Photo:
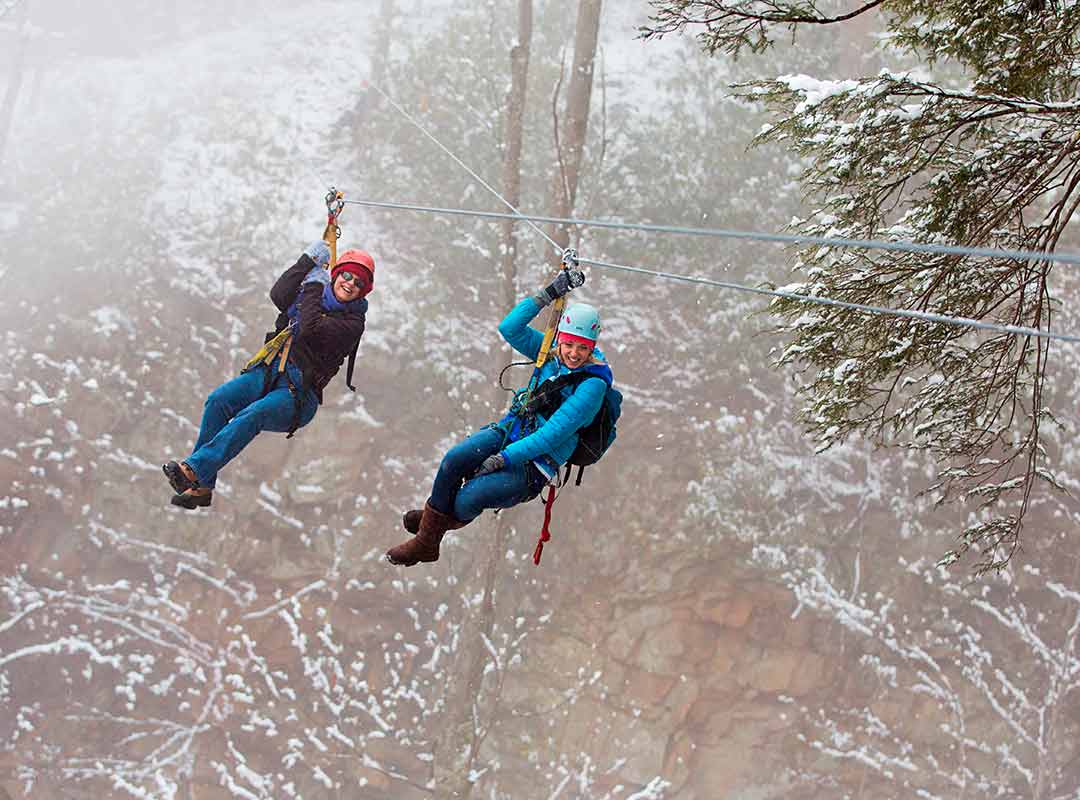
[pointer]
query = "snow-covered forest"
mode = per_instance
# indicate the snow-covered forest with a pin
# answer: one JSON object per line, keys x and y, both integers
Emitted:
{"x": 775, "y": 584}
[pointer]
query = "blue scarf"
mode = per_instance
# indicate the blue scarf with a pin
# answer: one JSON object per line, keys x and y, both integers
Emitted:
{"x": 328, "y": 303}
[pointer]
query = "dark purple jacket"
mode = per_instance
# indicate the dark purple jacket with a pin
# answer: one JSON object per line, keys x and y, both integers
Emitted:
{"x": 324, "y": 338}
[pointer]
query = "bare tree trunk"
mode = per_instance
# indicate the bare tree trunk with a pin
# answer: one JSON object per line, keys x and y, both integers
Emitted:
{"x": 515, "y": 120}
{"x": 382, "y": 42}
{"x": 469, "y": 719}
{"x": 381, "y": 35}
{"x": 11, "y": 95}
{"x": 571, "y": 141}
{"x": 467, "y": 722}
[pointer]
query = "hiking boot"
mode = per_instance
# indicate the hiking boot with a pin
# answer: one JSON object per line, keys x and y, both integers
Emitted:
{"x": 425, "y": 545}
{"x": 192, "y": 498}
{"x": 178, "y": 479}
{"x": 410, "y": 521}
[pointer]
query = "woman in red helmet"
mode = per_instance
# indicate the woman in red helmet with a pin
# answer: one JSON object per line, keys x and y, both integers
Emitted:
{"x": 320, "y": 323}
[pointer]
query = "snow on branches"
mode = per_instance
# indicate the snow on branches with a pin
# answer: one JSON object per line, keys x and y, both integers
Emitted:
{"x": 976, "y": 147}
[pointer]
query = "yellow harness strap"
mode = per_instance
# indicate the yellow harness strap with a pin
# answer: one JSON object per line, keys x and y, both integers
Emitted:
{"x": 549, "y": 334}
{"x": 330, "y": 237}
{"x": 285, "y": 354}
{"x": 270, "y": 349}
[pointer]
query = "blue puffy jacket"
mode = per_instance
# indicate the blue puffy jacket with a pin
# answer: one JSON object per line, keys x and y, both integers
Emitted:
{"x": 552, "y": 443}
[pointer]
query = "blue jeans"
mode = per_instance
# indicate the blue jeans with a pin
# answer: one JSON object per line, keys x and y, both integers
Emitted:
{"x": 503, "y": 489}
{"x": 237, "y": 411}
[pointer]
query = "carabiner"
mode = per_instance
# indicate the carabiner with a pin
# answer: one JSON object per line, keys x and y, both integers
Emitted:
{"x": 570, "y": 264}
{"x": 335, "y": 204}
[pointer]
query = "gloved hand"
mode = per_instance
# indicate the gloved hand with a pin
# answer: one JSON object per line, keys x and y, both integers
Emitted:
{"x": 556, "y": 289}
{"x": 317, "y": 275}
{"x": 319, "y": 252}
{"x": 491, "y": 464}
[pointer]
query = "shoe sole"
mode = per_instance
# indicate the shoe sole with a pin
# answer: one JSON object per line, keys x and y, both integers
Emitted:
{"x": 190, "y": 504}
{"x": 411, "y": 563}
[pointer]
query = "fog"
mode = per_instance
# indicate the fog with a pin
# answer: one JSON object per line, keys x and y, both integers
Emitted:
{"x": 722, "y": 611}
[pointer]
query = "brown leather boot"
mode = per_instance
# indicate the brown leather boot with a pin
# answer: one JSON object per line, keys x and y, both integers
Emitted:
{"x": 410, "y": 521}
{"x": 425, "y": 545}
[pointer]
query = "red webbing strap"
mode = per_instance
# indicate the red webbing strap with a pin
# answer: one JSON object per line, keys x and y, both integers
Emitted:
{"x": 545, "y": 534}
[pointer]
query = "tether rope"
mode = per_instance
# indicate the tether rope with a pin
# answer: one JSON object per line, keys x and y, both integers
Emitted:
{"x": 516, "y": 215}
{"x": 1015, "y": 330}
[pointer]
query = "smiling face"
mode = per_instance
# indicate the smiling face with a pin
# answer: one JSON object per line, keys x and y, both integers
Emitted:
{"x": 574, "y": 354}
{"x": 350, "y": 284}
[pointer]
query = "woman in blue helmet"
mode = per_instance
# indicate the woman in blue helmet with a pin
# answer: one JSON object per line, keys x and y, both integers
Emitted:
{"x": 510, "y": 461}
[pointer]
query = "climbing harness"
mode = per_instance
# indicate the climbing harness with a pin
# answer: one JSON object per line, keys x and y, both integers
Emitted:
{"x": 269, "y": 350}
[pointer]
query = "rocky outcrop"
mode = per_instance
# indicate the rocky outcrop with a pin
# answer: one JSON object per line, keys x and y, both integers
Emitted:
{"x": 691, "y": 680}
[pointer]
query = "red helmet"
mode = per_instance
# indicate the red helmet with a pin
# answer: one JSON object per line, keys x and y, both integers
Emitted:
{"x": 359, "y": 258}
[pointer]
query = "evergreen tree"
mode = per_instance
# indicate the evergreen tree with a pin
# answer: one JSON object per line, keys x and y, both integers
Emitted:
{"x": 974, "y": 146}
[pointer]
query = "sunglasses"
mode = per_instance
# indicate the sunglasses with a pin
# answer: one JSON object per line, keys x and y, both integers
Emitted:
{"x": 350, "y": 277}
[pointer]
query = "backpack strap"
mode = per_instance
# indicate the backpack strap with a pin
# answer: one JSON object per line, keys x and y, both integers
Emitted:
{"x": 547, "y": 397}
{"x": 294, "y": 424}
{"x": 352, "y": 364}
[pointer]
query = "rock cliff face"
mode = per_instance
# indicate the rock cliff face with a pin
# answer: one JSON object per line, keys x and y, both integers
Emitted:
{"x": 690, "y": 678}
{"x": 649, "y": 663}
{"x": 265, "y": 644}
{"x": 650, "y": 655}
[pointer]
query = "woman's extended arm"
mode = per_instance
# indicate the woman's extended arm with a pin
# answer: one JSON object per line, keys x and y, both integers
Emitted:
{"x": 516, "y": 331}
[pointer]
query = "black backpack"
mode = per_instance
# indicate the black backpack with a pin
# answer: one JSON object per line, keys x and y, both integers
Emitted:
{"x": 595, "y": 438}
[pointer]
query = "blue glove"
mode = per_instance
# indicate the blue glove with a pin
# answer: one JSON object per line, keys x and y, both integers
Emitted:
{"x": 491, "y": 464}
{"x": 319, "y": 252}
{"x": 317, "y": 275}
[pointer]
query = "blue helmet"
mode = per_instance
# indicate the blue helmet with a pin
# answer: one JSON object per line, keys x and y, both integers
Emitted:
{"x": 580, "y": 323}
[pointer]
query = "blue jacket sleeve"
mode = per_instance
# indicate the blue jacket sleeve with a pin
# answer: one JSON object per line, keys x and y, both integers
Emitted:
{"x": 576, "y": 412}
{"x": 516, "y": 331}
